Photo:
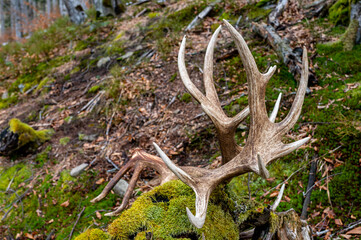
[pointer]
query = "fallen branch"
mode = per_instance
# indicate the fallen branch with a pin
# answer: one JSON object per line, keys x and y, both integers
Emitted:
{"x": 311, "y": 181}
{"x": 273, "y": 16}
{"x": 290, "y": 57}
{"x": 201, "y": 15}
{"x": 76, "y": 222}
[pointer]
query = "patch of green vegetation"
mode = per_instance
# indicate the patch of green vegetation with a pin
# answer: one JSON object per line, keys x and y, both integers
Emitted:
{"x": 27, "y": 135}
{"x": 64, "y": 141}
{"x": 43, "y": 157}
{"x": 262, "y": 3}
{"x": 185, "y": 97}
{"x": 43, "y": 82}
{"x": 93, "y": 234}
{"x": 256, "y": 13}
{"x": 173, "y": 77}
{"x": 162, "y": 212}
{"x": 339, "y": 12}
{"x": 167, "y": 30}
{"x": 94, "y": 89}
{"x": 153, "y": 15}
{"x": 53, "y": 204}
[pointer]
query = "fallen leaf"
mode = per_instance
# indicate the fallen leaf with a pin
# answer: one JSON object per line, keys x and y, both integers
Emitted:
{"x": 50, "y": 221}
{"x": 100, "y": 181}
{"x": 338, "y": 221}
{"x": 65, "y": 204}
{"x": 356, "y": 231}
{"x": 99, "y": 216}
{"x": 28, "y": 235}
{"x": 274, "y": 194}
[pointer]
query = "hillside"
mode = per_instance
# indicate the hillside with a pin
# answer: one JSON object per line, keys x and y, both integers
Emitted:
{"x": 111, "y": 85}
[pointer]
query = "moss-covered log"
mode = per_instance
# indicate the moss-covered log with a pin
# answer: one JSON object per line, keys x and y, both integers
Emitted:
{"x": 19, "y": 136}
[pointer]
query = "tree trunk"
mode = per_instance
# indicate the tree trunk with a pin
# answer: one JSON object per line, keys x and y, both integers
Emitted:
{"x": 48, "y": 8}
{"x": 2, "y": 19}
{"x": 24, "y": 16}
{"x": 62, "y": 8}
{"x": 75, "y": 11}
{"x": 356, "y": 16}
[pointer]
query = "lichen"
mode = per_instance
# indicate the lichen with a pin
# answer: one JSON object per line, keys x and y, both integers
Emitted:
{"x": 349, "y": 38}
{"x": 93, "y": 234}
{"x": 27, "y": 134}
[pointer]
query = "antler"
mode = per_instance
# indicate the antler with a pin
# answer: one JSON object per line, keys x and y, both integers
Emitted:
{"x": 264, "y": 141}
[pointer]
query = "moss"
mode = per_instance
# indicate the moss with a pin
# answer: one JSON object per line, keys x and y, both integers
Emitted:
{"x": 94, "y": 89}
{"x": 27, "y": 134}
{"x": 339, "y": 12}
{"x": 186, "y": 97}
{"x": 162, "y": 212}
{"x": 43, "y": 82}
{"x": 349, "y": 38}
{"x": 153, "y": 15}
{"x": 93, "y": 234}
{"x": 43, "y": 157}
{"x": 64, "y": 141}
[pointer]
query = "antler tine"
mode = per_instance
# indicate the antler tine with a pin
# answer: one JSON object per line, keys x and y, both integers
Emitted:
{"x": 193, "y": 90}
{"x": 176, "y": 170}
{"x": 273, "y": 116}
{"x": 202, "y": 191}
{"x": 296, "y": 108}
{"x": 211, "y": 92}
{"x": 256, "y": 80}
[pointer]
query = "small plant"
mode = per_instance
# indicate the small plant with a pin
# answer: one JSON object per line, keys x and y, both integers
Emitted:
{"x": 186, "y": 97}
{"x": 64, "y": 141}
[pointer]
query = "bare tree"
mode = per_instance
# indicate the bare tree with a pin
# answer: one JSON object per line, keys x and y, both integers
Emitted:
{"x": 2, "y": 19}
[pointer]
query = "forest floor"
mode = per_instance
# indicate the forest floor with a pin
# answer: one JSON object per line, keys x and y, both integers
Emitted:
{"x": 136, "y": 97}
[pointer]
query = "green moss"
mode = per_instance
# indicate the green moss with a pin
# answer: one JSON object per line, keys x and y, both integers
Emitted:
{"x": 153, "y": 15}
{"x": 64, "y": 141}
{"x": 339, "y": 12}
{"x": 162, "y": 212}
{"x": 94, "y": 89}
{"x": 43, "y": 82}
{"x": 43, "y": 157}
{"x": 27, "y": 134}
{"x": 186, "y": 97}
{"x": 93, "y": 234}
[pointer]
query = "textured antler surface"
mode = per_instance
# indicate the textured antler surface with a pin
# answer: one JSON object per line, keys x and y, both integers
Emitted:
{"x": 264, "y": 140}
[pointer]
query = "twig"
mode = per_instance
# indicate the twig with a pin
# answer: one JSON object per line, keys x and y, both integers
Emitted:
{"x": 76, "y": 222}
{"x": 349, "y": 227}
{"x": 311, "y": 181}
{"x": 50, "y": 235}
{"x": 278, "y": 199}
{"x": 304, "y": 194}
{"x": 11, "y": 181}
{"x": 111, "y": 162}
{"x": 14, "y": 202}
{"x": 248, "y": 185}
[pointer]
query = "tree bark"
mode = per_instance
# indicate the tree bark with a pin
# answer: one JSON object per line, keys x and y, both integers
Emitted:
{"x": 356, "y": 16}
{"x": 2, "y": 19}
{"x": 273, "y": 16}
{"x": 48, "y": 8}
{"x": 75, "y": 11}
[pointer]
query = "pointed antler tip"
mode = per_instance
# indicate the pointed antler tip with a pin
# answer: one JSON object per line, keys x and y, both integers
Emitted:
{"x": 198, "y": 222}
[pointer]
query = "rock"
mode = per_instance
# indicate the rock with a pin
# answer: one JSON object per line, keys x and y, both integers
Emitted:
{"x": 121, "y": 187}
{"x": 89, "y": 138}
{"x": 103, "y": 61}
{"x": 5, "y": 95}
{"x": 78, "y": 170}
{"x": 125, "y": 56}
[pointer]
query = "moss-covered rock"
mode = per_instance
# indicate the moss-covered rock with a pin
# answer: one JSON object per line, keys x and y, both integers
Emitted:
{"x": 162, "y": 213}
{"x": 93, "y": 234}
{"x": 20, "y": 135}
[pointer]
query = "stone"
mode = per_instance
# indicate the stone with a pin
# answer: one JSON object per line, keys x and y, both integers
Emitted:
{"x": 78, "y": 170}
{"x": 121, "y": 187}
{"x": 5, "y": 95}
{"x": 103, "y": 61}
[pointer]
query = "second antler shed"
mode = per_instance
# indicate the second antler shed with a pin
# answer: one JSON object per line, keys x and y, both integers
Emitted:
{"x": 264, "y": 139}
